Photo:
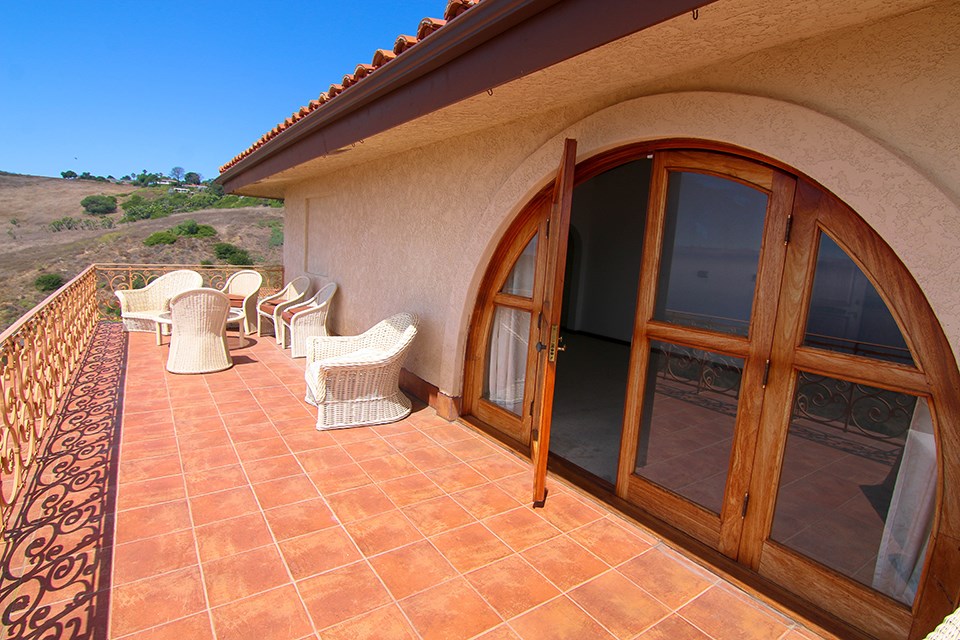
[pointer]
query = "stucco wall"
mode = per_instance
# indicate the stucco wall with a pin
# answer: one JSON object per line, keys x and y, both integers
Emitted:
{"x": 869, "y": 112}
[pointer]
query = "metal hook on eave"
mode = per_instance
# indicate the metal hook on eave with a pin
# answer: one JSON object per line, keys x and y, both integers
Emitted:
{"x": 696, "y": 13}
{"x": 490, "y": 92}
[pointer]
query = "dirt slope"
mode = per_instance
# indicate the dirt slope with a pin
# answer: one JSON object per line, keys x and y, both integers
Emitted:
{"x": 28, "y": 248}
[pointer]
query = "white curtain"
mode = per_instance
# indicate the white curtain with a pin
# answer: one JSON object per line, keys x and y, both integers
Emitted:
{"x": 520, "y": 280}
{"x": 509, "y": 338}
{"x": 508, "y": 357}
{"x": 907, "y": 529}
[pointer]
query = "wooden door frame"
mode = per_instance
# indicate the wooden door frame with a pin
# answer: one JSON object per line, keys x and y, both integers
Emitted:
{"x": 722, "y": 530}
{"x": 939, "y": 591}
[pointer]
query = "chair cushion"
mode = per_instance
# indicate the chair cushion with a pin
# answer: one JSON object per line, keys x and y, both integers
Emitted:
{"x": 236, "y": 300}
{"x": 288, "y": 313}
{"x": 269, "y": 307}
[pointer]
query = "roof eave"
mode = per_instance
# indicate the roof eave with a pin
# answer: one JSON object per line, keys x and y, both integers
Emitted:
{"x": 520, "y": 37}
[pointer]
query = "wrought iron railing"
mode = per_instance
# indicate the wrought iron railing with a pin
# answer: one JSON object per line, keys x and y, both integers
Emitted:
{"x": 39, "y": 355}
{"x": 111, "y": 277}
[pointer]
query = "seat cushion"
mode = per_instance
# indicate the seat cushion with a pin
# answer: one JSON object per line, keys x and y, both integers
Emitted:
{"x": 269, "y": 307}
{"x": 288, "y": 313}
{"x": 236, "y": 300}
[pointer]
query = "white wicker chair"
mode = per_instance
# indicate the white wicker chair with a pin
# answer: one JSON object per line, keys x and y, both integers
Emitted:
{"x": 138, "y": 307}
{"x": 305, "y": 319}
{"x": 242, "y": 288}
{"x": 198, "y": 341}
{"x": 270, "y": 308}
{"x": 354, "y": 380}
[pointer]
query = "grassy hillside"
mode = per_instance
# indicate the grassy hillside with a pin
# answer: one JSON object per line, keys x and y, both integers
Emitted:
{"x": 29, "y": 247}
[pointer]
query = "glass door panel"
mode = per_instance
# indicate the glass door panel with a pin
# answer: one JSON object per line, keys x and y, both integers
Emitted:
{"x": 687, "y": 428}
{"x": 505, "y": 380}
{"x": 858, "y": 482}
{"x": 520, "y": 280}
{"x": 846, "y": 312}
{"x": 712, "y": 233}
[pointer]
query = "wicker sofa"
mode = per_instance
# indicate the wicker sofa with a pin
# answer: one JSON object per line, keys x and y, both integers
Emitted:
{"x": 139, "y": 307}
{"x": 305, "y": 319}
{"x": 354, "y": 380}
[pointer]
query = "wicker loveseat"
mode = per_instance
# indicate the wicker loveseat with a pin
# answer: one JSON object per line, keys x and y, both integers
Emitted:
{"x": 242, "y": 288}
{"x": 270, "y": 308}
{"x": 354, "y": 380}
{"x": 305, "y": 319}
{"x": 139, "y": 307}
{"x": 198, "y": 342}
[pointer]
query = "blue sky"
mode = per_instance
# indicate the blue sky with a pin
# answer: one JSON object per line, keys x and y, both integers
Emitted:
{"x": 118, "y": 87}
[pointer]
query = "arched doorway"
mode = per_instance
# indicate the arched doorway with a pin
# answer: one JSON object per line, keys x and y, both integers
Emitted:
{"x": 742, "y": 358}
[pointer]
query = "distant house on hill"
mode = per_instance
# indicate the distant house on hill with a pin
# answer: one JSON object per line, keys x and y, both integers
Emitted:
{"x": 701, "y": 257}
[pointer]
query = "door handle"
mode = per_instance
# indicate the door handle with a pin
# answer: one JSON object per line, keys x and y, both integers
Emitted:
{"x": 556, "y": 343}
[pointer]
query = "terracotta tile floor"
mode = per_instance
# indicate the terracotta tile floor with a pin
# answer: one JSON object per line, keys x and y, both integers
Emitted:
{"x": 235, "y": 518}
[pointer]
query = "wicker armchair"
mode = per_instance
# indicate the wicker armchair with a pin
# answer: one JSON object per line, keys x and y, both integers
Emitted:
{"x": 270, "y": 308}
{"x": 198, "y": 342}
{"x": 242, "y": 288}
{"x": 139, "y": 307}
{"x": 354, "y": 380}
{"x": 299, "y": 322}
{"x": 949, "y": 629}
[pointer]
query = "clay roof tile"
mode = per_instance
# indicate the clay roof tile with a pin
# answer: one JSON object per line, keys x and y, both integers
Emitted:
{"x": 363, "y": 70}
{"x": 403, "y": 43}
{"x": 456, "y": 7}
{"x": 381, "y": 57}
{"x": 428, "y": 26}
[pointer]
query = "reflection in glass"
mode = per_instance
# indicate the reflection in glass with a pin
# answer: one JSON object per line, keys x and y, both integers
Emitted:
{"x": 689, "y": 417}
{"x": 520, "y": 280}
{"x": 711, "y": 248}
{"x": 507, "y": 358}
{"x": 858, "y": 482}
{"x": 846, "y": 312}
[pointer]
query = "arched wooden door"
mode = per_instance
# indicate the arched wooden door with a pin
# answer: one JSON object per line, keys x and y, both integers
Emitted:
{"x": 786, "y": 384}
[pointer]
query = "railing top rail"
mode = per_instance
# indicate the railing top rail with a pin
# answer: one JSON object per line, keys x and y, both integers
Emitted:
{"x": 168, "y": 265}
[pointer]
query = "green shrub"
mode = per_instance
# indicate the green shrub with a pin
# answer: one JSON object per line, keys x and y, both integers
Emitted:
{"x": 48, "y": 282}
{"x": 63, "y": 223}
{"x": 69, "y": 223}
{"x": 240, "y": 257}
{"x": 276, "y": 230}
{"x": 224, "y": 250}
{"x": 206, "y": 263}
{"x": 99, "y": 205}
{"x": 276, "y": 237}
{"x": 160, "y": 237}
{"x": 190, "y": 228}
{"x": 186, "y": 228}
{"x": 232, "y": 254}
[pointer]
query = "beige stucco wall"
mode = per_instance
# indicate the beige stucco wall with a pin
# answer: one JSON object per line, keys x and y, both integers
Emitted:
{"x": 869, "y": 112}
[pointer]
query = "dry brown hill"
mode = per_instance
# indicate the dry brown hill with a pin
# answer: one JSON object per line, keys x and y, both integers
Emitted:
{"x": 28, "y": 246}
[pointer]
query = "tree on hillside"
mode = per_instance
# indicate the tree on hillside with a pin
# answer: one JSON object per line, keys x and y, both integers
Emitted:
{"x": 177, "y": 174}
{"x": 192, "y": 177}
{"x": 98, "y": 205}
{"x": 68, "y": 175}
